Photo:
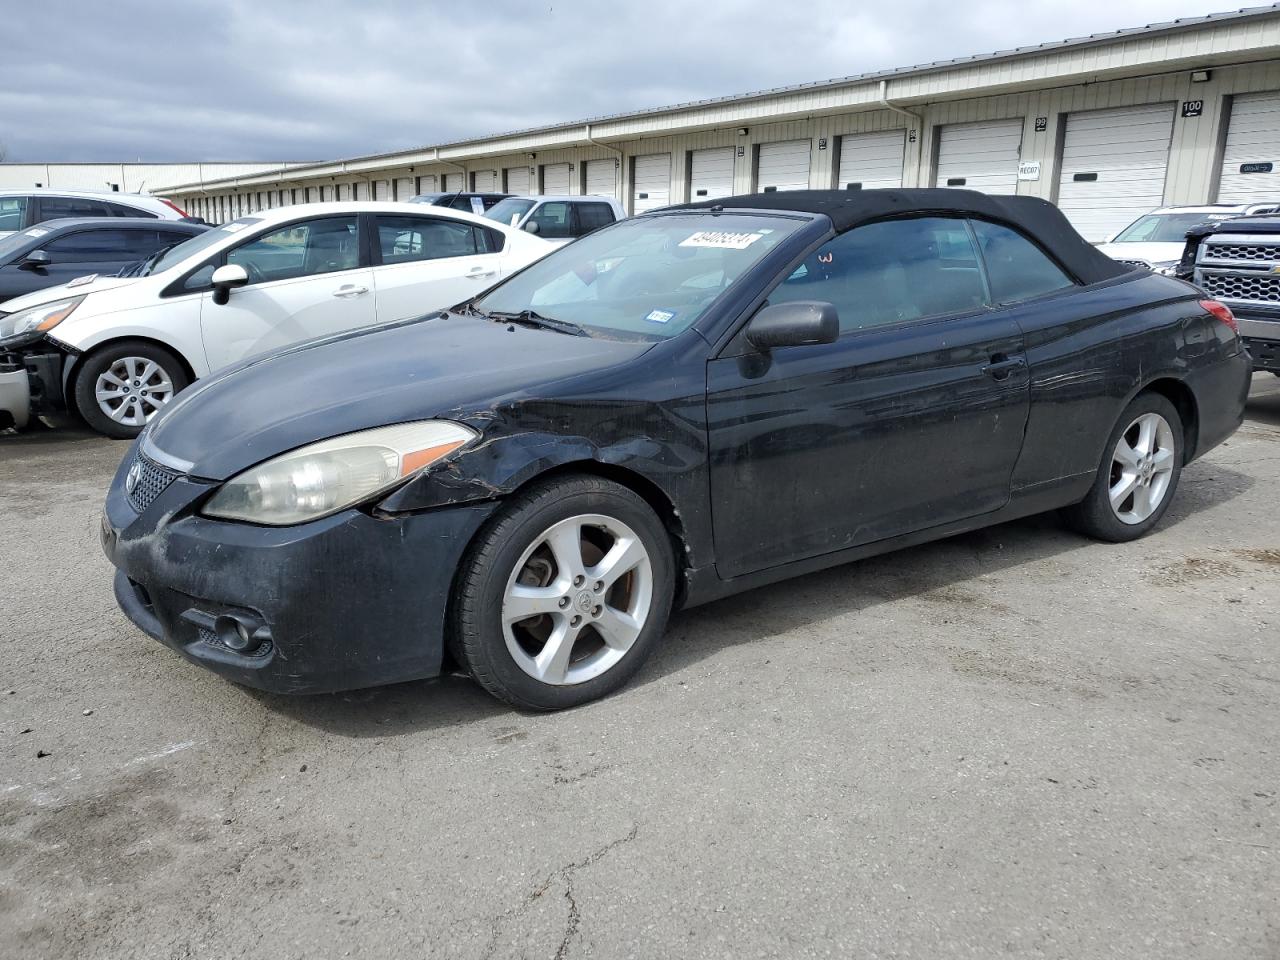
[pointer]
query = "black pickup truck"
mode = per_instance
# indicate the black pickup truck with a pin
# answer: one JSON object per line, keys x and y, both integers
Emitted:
{"x": 1238, "y": 262}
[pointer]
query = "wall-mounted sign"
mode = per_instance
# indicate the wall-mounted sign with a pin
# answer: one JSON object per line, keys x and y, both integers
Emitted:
{"x": 1029, "y": 170}
{"x": 911, "y": 136}
{"x": 742, "y": 151}
{"x": 822, "y": 143}
{"x": 1192, "y": 108}
{"x": 1042, "y": 124}
{"x": 1256, "y": 167}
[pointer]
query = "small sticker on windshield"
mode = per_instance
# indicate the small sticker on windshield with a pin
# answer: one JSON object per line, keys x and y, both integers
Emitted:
{"x": 37, "y": 232}
{"x": 722, "y": 240}
{"x": 233, "y": 227}
{"x": 81, "y": 281}
{"x": 661, "y": 316}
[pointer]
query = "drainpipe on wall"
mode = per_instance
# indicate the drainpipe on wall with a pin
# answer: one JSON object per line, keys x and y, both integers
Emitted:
{"x": 436, "y": 156}
{"x": 617, "y": 173}
{"x": 917, "y": 123}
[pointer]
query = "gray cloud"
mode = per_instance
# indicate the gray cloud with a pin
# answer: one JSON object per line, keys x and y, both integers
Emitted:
{"x": 237, "y": 80}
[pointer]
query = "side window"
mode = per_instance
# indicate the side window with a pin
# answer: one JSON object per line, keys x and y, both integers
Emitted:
{"x": 554, "y": 220}
{"x": 593, "y": 216}
{"x": 405, "y": 239}
{"x": 12, "y": 210}
{"x": 302, "y": 249}
{"x": 1016, "y": 268}
{"x": 892, "y": 272}
{"x": 489, "y": 241}
{"x": 88, "y": 246}
{"x": 120, "y": 210}
{"x": 54, "y": 208}
{"x": 201, "y": 279}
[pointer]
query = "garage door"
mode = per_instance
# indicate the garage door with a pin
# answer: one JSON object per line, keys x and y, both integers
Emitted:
{"x": 652, "y": 182}
{"x": 313, "y": 195}
{"x": 711, "y": 173}
{"x": 453, "y": 183}
{"x": 362, "y": 190}
{"x": 600, "y": 178}
{"x": 404, "y": 188}
{"x": 485, "y": 181}
{"x": 783, "y": 166}
{"x": 980, "y": 156}
{"x": 517, "y": 180}
{"x": 1251, "y": 160}
{"x": 555, "y": 179}
{"x": 1113, "y": 166}
{"x": 871, "y": 160}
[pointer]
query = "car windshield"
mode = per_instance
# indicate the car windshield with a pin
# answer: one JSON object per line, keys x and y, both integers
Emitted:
{"x": 504, "y": 210}
{"x": 198, "y": 244}
{"x": 650, "y": 277}
{"x": 1164, "y": 227}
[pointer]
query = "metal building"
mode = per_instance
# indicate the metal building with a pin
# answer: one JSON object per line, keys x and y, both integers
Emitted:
{"x": 1107, "y": 126}
{"x": 123, "y": 177}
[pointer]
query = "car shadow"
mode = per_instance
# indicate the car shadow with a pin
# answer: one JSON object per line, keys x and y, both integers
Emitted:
{"x": 942, "y": 571}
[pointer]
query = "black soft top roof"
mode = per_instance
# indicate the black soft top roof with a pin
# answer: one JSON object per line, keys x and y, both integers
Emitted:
{"x": 1258, "y": 223}
{"x": 1036, "y": 218}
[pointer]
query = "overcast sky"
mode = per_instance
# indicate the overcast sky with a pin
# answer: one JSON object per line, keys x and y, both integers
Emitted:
{"x": 321, "y": 79}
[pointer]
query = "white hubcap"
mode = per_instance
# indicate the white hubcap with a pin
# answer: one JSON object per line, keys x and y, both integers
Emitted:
{"x": 132, "y": 390}
{"x": 577, "y": 599}
{"x": 1141, "y": 468}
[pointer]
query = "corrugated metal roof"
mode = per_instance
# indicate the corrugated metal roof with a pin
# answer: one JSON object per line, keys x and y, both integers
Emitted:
{"x": 936, "y": 66}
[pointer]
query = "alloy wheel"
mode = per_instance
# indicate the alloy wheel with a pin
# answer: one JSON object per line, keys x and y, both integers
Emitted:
{"x": 1141, "y": 468}
{"x": 132, "y": 390}
{"x": 577, "y": 599}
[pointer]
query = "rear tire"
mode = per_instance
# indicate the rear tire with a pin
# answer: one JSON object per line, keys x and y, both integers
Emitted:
{"x": 1138, "y": 476}
{"x": 564, "y": 594}
{"x": 120, "y": 387}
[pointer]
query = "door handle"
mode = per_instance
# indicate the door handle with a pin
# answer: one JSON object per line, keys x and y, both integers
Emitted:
{"x": 476, "y": 273}
{"x": 1002, "y": 365}
{"x": 349, "y": 290}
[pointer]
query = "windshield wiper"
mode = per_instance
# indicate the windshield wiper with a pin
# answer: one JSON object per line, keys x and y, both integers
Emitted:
{"x": 531, "y": 318}
{"x": 150, "y": 262}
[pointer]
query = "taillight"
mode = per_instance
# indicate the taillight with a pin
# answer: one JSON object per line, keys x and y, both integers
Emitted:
{"x": 1222, "y": 312}
{"x": 173, "y": 206}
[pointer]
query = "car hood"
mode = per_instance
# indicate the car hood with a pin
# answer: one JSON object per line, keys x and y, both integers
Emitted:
{"x": 92, "y": 283}
{"x": 444, "y": 365}
{"x": 1150, "y": 252}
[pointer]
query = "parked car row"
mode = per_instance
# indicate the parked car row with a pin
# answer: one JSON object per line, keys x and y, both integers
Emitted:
{"x": 676, "y": 407}
{"x": 116, "y": 349}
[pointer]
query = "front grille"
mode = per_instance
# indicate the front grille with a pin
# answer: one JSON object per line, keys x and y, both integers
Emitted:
{"x": 1251, "y": 252}
{"x": 145, "y": 481}
{"x": 1258, "y": 288}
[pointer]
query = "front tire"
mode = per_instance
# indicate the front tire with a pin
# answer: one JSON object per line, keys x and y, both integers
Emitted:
{"x": 1138, "y": 476}
{"x": 121, "y": 387}
{"x": 564, "y": 595}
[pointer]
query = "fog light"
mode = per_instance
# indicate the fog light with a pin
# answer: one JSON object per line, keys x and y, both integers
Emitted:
{"x": 233, "y": 633}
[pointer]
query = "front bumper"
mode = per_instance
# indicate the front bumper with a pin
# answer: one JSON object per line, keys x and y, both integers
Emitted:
{"x": 344, "y": 602}
{"x": 1264, "y": 352}
{"x": 15, "y": 395}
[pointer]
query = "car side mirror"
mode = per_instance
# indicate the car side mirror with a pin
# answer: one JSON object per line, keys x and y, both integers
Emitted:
{"x": 35, "y": 260}
{"x": 532, "y": 226}
{"x": 795, "y": 323}
{"x": 225, "y": 279}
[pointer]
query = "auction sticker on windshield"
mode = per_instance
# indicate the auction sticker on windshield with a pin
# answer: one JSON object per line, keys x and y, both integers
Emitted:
{"x": 722, "y": 240}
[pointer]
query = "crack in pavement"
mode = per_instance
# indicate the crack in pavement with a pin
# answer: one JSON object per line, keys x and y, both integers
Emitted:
{"x": 565, "y": 874}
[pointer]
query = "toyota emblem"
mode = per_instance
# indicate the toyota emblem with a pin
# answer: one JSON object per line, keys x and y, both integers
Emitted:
{"x": 132, "y": 478}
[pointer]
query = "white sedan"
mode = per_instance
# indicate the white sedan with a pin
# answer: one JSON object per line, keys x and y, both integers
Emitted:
{"x": 117, "y": 349}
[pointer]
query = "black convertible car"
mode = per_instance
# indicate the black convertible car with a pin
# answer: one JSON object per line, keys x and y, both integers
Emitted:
{"x": 677, "y": 407}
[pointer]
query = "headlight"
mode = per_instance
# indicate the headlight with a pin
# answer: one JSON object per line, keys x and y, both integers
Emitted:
{"x": 38, "y": 318}
{"x": 323, "y": 478}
